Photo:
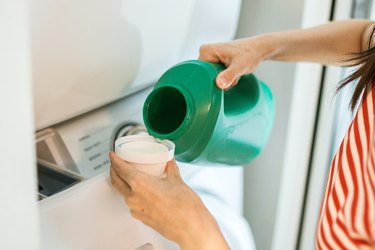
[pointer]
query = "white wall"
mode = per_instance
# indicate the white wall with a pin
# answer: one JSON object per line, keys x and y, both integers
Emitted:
{"x": 262, "y": 178}
{"x": 18, "y": 217}
{"x": 275, "y": 182}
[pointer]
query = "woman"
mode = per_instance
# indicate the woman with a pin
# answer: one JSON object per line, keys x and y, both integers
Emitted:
{"x": 347, "y": 219}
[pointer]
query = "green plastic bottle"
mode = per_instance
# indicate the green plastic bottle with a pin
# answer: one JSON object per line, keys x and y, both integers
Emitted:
{"x": 206, "y": 123}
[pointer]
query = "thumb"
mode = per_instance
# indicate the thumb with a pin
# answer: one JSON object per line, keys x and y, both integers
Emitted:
{"x": 229, "y": 76}
{"x": 172, "y": 170}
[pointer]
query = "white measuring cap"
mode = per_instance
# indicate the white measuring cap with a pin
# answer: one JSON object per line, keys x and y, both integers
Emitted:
{"x": 146, "y": 152}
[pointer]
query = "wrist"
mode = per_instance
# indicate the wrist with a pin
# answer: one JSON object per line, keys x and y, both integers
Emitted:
{"x": 262, "y": 47}
{"x": 267, "y": 45}
{"x": 208, "y": 242}
{"x": 204, "y": 235}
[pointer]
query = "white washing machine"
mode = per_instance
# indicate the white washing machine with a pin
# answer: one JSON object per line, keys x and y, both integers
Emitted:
{"x": 94, "y": 62}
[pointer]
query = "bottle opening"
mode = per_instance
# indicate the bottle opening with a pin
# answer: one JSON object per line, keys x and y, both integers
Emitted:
{"x": 166, "y": 110}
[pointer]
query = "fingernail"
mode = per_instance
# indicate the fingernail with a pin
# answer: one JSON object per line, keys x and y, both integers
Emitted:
{"x": 222, "y": 83}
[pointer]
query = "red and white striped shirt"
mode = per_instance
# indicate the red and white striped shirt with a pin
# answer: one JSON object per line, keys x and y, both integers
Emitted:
{"x": 347, "y": 219}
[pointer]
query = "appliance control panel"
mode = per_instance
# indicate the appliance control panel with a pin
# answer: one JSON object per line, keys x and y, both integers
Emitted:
{"x": 80, "y": 147}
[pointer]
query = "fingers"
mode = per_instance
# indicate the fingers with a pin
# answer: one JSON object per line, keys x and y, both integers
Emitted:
{"x": 121, "y": 186}
{"x": 207, "y": 53}
{"x": 230, "y": 57}
{"x": 172, "y": 170}
{"x": 225, "y": 79}
{"x": 124, "y": 170}
{"x": 230, "y": 76}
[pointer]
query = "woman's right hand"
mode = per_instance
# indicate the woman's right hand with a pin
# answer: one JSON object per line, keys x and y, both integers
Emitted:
{"x": 168, "y": 205}
{"x": 239, "y": 56}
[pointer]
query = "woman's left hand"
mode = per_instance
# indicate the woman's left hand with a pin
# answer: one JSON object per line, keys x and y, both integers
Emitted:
{"x": 167, "y": 204}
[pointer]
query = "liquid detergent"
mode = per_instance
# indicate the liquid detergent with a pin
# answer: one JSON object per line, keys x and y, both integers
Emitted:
{"x": 206, "y": 123}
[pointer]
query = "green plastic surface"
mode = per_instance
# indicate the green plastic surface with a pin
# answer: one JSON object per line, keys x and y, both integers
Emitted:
{"x": 206, "y": 123}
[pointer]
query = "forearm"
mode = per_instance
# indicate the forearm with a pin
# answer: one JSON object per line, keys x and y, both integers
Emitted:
{"x": 331, "y": 43}
{"x": 202, "y": 232}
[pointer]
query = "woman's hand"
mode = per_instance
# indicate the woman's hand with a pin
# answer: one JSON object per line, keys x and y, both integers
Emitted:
{"x": 239, "y": 56}
{"x": 321, "y": 44}
{"x": 167, "y": 204}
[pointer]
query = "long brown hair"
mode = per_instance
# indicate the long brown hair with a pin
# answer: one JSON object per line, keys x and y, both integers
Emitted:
{"x": 364, "y": 74}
